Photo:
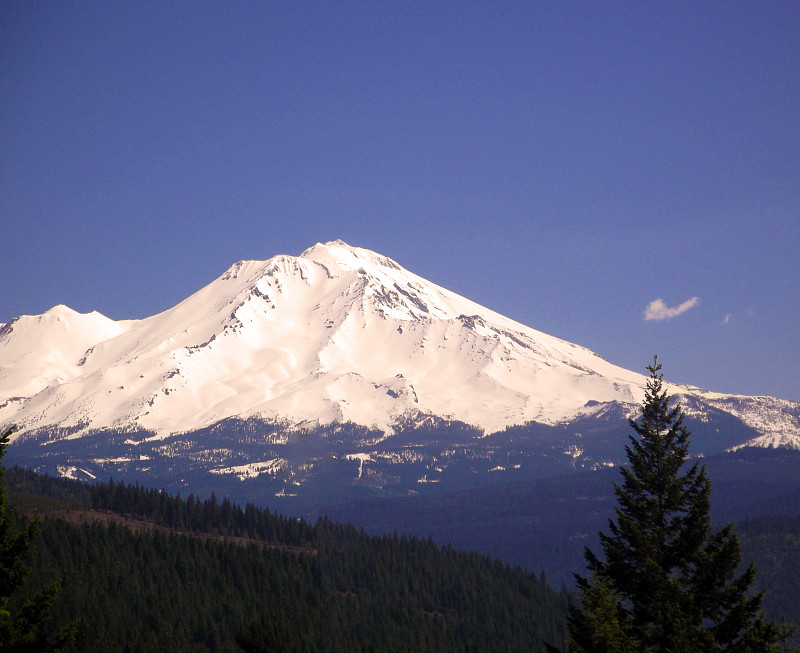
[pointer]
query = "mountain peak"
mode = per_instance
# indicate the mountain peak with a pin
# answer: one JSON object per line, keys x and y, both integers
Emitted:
{"x": 338, "y": 254}
{"x": 329, "y": 246}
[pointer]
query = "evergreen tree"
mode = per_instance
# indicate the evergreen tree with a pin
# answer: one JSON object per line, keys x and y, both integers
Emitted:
{"x": 667, "y": 582}
{"x": 22, "y": 627}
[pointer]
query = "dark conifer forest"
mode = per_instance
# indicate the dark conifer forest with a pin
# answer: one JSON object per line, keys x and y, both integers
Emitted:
{"x": 145, "y": 571}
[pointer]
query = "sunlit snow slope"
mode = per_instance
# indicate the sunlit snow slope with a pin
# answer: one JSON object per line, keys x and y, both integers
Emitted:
{"x": 337, "y": 334}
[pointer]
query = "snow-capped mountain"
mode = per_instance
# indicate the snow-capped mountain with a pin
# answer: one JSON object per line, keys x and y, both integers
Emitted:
{"x": 336, "y": 335}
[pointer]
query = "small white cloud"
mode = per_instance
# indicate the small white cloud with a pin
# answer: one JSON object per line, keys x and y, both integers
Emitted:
{"x": 658, "y": 310}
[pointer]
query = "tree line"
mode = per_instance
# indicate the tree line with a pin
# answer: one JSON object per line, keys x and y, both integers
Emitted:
{"x": 285, "y": 585}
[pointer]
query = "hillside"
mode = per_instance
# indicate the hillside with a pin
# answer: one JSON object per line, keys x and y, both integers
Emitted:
{"x": 165, "y": 575}
{"x": 154, "y": 572}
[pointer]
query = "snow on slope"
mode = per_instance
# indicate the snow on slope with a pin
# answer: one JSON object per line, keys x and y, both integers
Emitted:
{"x": 339, "y": 333}
{"x": 778, "y": 420}
{"x": 39, "y": 350}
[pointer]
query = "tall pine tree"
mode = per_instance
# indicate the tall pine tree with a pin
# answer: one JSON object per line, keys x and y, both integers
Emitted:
{"x": 667, "y": 583}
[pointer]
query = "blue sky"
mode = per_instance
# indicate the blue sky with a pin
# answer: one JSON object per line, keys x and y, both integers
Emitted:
{"x": 564, "y": 163}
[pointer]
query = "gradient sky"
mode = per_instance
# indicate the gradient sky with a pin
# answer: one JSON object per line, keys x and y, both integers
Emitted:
{"x": 577, "y": 166}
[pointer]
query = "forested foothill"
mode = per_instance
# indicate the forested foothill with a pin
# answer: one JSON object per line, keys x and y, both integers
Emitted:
{"x": 146, "y": 571}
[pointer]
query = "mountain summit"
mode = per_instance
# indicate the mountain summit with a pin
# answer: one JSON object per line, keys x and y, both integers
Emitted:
{"x": 313, "y": 343}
